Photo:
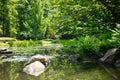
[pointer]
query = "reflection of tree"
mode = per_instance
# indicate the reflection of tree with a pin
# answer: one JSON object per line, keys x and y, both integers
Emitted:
{"x": 14, "y": 66}
{"x": 13, "y": 71}
{"x": 4, "y": 69}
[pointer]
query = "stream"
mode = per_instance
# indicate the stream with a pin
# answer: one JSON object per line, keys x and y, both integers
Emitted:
{"x": 11, "y": 68}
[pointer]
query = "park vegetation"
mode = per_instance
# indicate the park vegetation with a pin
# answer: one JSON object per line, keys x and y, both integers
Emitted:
{"x": 83, "y": 25}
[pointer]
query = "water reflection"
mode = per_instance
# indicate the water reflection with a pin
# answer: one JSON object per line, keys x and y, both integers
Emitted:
{"x": 58, "y": 70}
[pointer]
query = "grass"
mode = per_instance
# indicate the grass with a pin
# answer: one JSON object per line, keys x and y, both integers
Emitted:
{"x": 24, "y": 43}
{"x": 68, "y": 42}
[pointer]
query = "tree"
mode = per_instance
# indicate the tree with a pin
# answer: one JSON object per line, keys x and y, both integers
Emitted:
{"x": 4, "y": 18}
{"x": 24, "y": 29}
{"x": 77, "y": 18}
{"x": 36, "y": 17}
{"x": 114, "y": 7}
{"x": 13, "y": 20}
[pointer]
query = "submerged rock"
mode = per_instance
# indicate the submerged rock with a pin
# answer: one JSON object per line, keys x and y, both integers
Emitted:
{"x": 35, "y": 68}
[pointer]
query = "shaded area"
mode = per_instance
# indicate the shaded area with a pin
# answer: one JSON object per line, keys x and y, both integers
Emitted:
{"x": 111, "y": 70}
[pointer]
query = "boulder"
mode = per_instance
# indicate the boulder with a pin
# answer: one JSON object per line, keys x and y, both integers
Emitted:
{"x": 3, "y": 49}
{"x": 109, "y": 56}
{"x": 44, "y": 60}
{"x": 117, "y": 63}
{"x": 35, "y": 68}
{"x": 6, "y": 52}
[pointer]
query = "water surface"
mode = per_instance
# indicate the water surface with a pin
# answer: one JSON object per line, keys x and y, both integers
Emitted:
{"x": 59, "y": 69}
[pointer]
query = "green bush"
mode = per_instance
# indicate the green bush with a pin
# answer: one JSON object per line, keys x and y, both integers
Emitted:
{"x": 105, "y": 36}
{"x": 23, "y": 35}
{"x": 85, "y": 46}
{"x": 88, "y": 45}
{"x": 115, "y": 40}
{"x": 105, "y": 45}
{"x": 91, "y": 45}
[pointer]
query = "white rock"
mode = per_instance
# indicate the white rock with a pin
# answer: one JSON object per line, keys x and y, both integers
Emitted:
{"x": 35, "y": 68}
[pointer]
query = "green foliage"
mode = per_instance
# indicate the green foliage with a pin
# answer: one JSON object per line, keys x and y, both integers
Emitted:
{"x": 68, "y": 43}
{"x": 114, "y": 8}
{"x": 106, "y": 35}
{"x": 89, "y": 45}
{"x": 23, "y": 36}
{"x": 82, "y": 18}
{"x": 85, "y": 46}
{"x": 50, "y": 33}
{"x": 12, "y": 18}
{"x": 74, "y": 18}
{"x": 105, "y": 45}
{"x": 29, "y": 15}
{"x": 0, "y": 30}
{"x": 70, "y": 19}
{"x": 115, "y": 37}
{"x": 4, "y": 18}
{"x": 13, "y": 32}
{"x": 24, "y": 43}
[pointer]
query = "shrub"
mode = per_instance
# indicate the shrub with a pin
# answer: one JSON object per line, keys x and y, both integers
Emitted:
{"x": 105, "y": 36}
{"x": 88, "y": 45}
{"x": 85, "y": 46}
{"x": 115, "y": 40}
{"x": 105, "y": 45}
{"x": 23, "y": 35}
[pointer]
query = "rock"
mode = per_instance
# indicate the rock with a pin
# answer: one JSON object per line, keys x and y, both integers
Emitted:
{"x": 3, "y": 49}
{"x": 44, "y": 60}
{"x": 36, "y": 65}
{"x": 35, "y": 68}
{"x": 117, "y": 63}
{"x": 6, "y": 52}
{"x": 74, "y": 59}
{"x": 109, "y": 56}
